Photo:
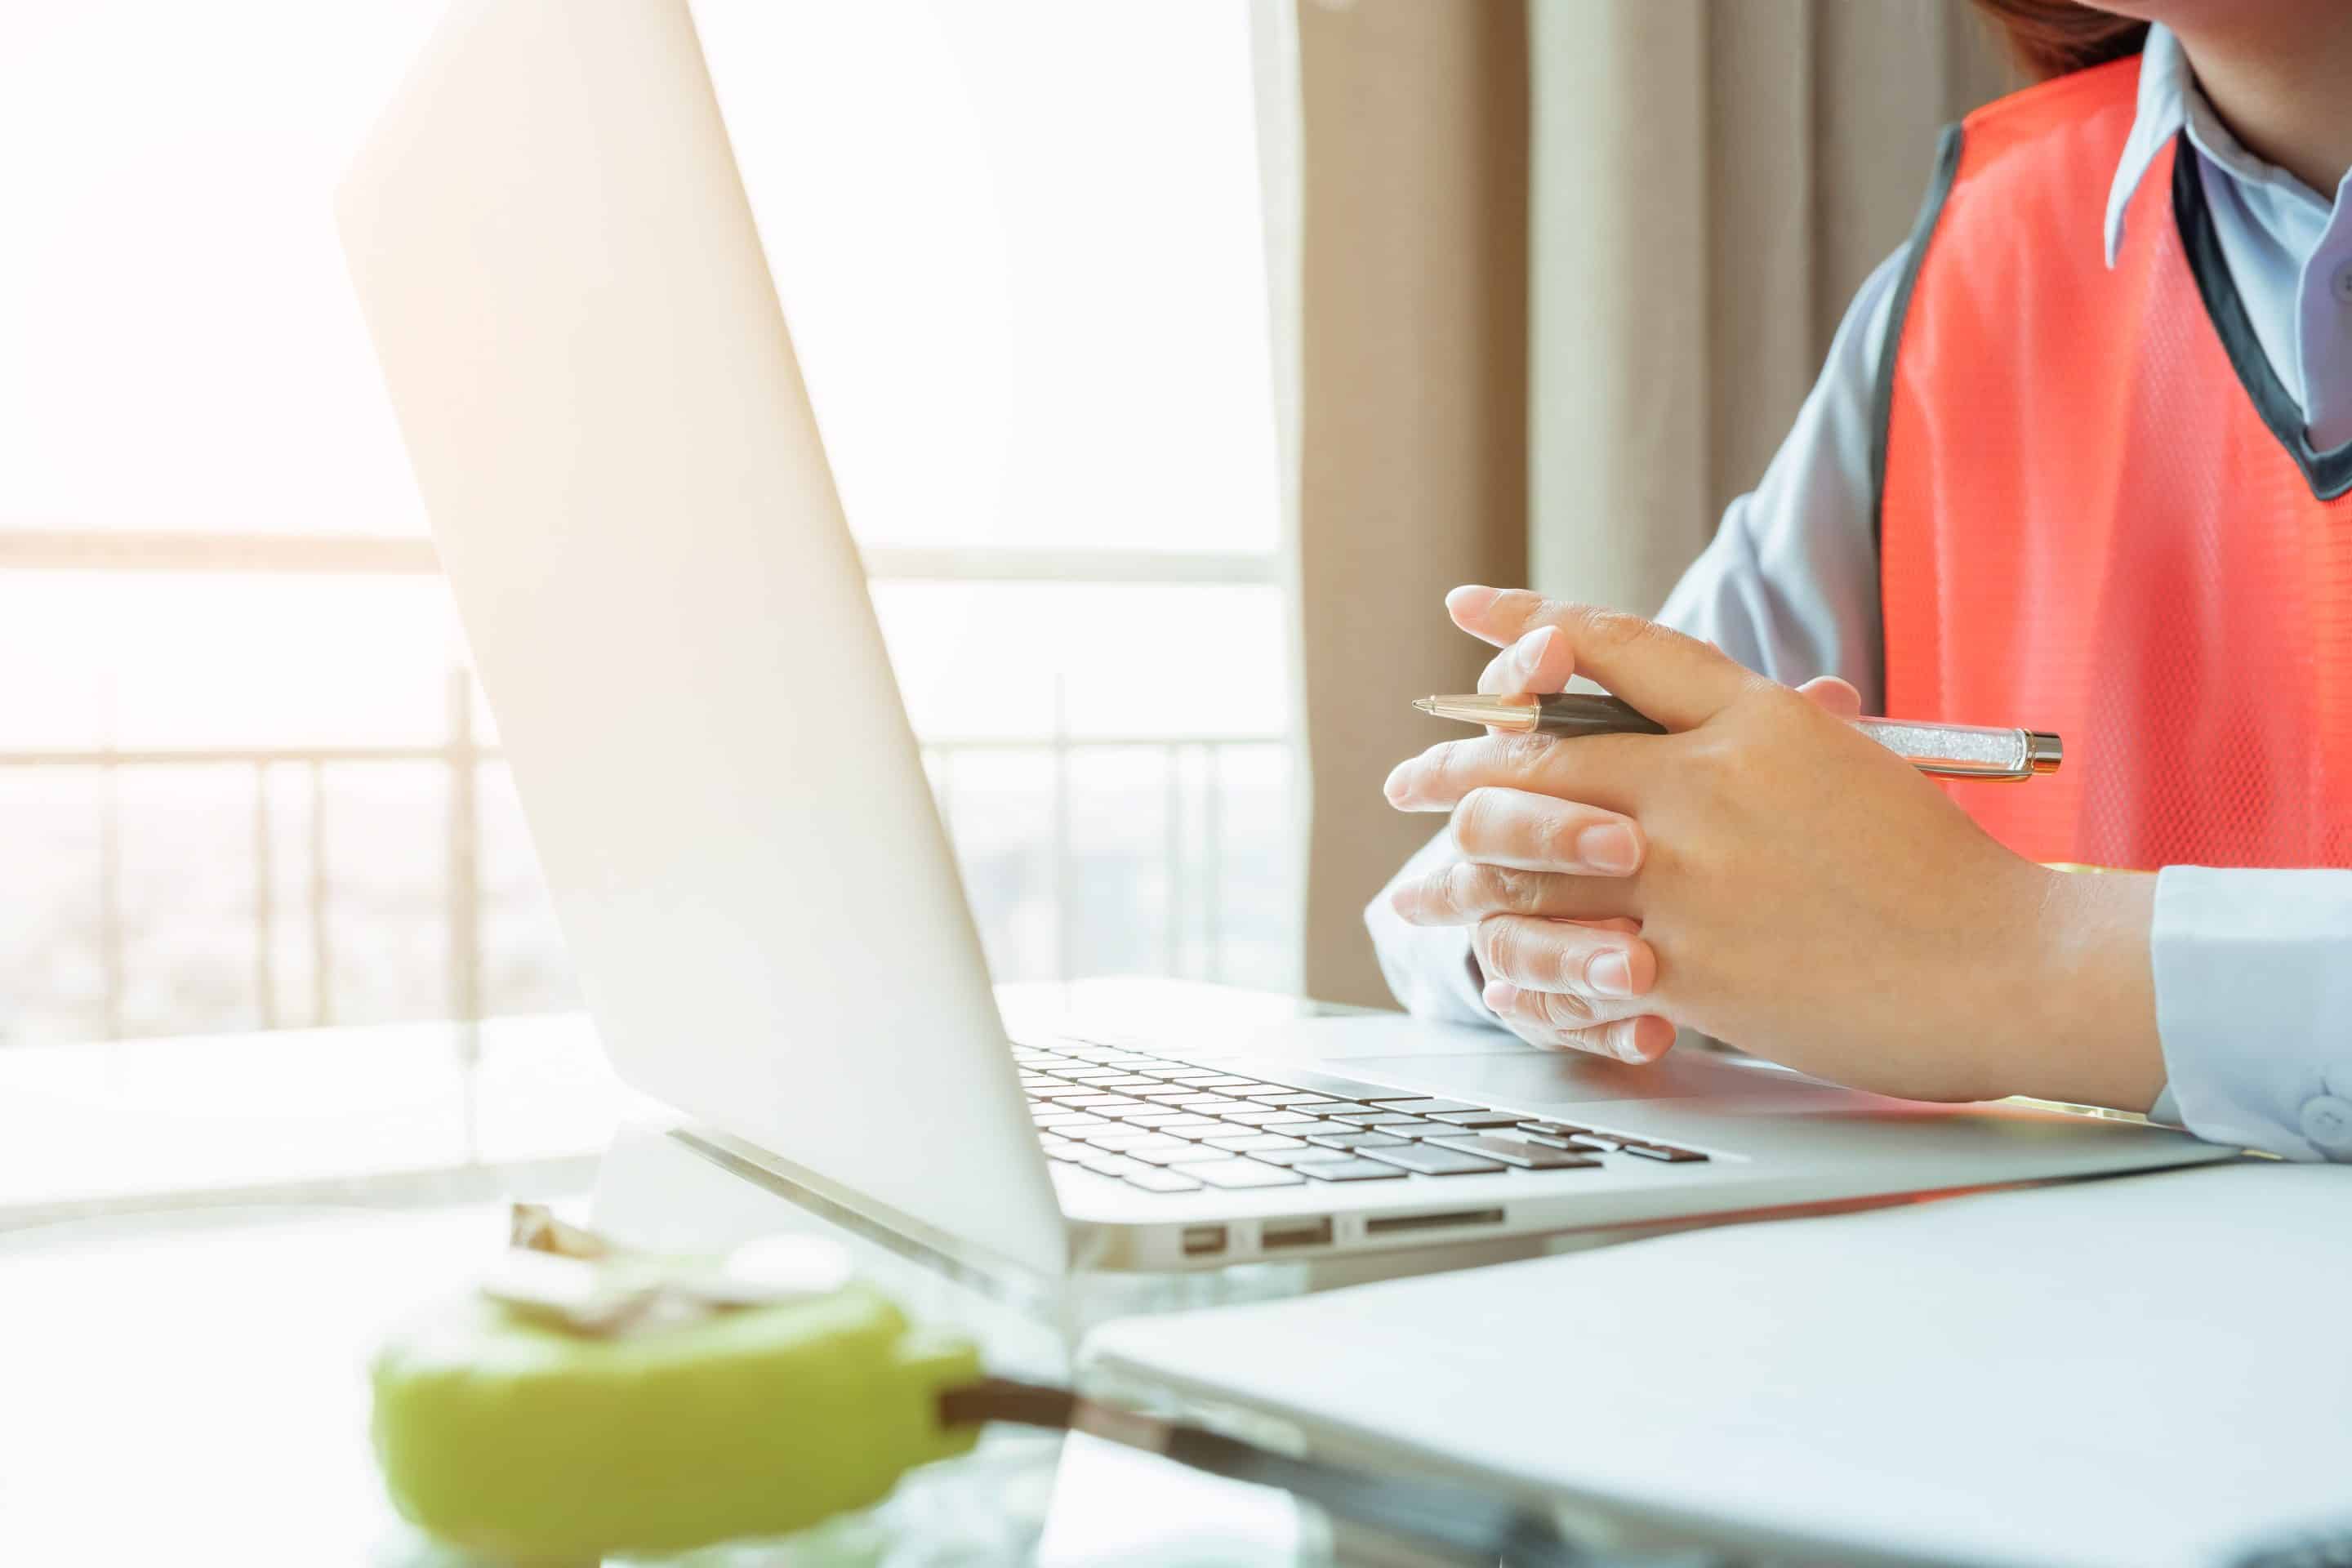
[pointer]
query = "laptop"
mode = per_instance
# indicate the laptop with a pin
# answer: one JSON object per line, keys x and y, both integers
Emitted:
{"x": 565, "y": 288}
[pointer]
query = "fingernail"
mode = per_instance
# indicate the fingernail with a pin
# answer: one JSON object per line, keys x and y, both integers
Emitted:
{"x": 1501, "y": 996}
{"x": 1527, "y": 653}
{"x": 1470, "y": 598}
{"x": 1610, "y": 846}
{"x": 1406, "y": 900}
{"x": 1395, "y": 786}
{"x": 1610, "y": 973}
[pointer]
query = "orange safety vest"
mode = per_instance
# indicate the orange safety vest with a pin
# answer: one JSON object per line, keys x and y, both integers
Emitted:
{"x": 2098, "y": 513}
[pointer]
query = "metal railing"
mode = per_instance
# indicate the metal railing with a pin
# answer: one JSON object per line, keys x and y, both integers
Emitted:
{"x": 462, "y": 756}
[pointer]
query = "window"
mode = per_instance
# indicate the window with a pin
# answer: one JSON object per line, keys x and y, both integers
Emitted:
{"x": 245, "y": 780}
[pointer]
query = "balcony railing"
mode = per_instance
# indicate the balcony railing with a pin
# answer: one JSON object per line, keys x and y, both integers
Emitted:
{"x": 1193, "y": 886}
{"x": 1193, "y": 882}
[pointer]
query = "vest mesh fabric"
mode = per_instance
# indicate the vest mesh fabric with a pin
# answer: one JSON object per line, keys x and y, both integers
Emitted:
{"x": 2086, "y": 526}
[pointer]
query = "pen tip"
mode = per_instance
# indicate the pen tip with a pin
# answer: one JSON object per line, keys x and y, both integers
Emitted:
{"x": 1426, "y": 704}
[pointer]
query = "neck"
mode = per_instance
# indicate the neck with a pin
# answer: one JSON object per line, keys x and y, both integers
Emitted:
{"x": 2280, "y": 78}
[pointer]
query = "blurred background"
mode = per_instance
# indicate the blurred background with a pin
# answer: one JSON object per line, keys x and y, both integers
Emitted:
{"x": 1173, "y": 360}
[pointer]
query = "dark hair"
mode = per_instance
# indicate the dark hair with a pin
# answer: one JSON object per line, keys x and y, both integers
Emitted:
{"x": 2051, "y": 37}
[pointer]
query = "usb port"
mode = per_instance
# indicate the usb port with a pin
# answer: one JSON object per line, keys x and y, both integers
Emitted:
{"x": 1204, "y": 1240}
{"x": 1277, "y": 1234}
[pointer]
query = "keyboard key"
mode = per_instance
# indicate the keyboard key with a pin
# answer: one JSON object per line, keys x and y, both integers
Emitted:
{"x": 1364, "y": 1115}
{"x": 1596, "y": 1142}
{"x": 1350, "y": 1171}
{"x": 1322, "y": 1129}
{"x": 1182, "y": 1154}
{"x": 1165, "y": 1094}
{"x": 1553, "y": 1128}
{"x": 1152, "y": 1180}
{"x": 1433, "y": 1160}
{"x": 1358, "y": 1140}
{"x": 1280, "y": 1098}
{"x": 1129, "y": 1080}
{"x": 1154, "y": 1143}
{"x": 1413, "y": 1105}
{"x": 1403, "y": 1126}
{"x": 1227, "y": 1080}
{"x": 1195, "y": 1127}
{"x": 1335, "y": 1108}
{"x": 1254, "y": 1143}
{"x": 1666, "y": 1153}
{"x": 1265, "y": 1118}
{"x": 1100, "y": 1102}
{"x": 1067, "y": 1125}
{"x": 1526, "y": 1154}
{"x": 1555, "y": 1140}
{"x": 1302, "y": 1155}
{"x": 1068, "y": 1153}
{"x": 1119, "y": 1138}
{"x": 1151, "y": 1118}
{"x": 1110, "y": 1166}
{"x": 1243, "y": 1173}
{"x": 1477, "y": 1118}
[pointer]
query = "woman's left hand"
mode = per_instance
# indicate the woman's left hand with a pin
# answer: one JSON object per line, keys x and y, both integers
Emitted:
{"x": 1802, "y": 892}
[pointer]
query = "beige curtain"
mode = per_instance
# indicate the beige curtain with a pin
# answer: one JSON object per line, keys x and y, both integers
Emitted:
{"x": 1551, "y": 279}
{"x": 1711, "y": 182}
{"x": 1403, "y": 231}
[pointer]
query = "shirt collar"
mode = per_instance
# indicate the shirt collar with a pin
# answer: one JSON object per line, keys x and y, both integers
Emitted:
{"x": 2170, "y": 101}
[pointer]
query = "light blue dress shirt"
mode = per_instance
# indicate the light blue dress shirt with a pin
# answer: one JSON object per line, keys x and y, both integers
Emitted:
{"x": 2253, "y": 968}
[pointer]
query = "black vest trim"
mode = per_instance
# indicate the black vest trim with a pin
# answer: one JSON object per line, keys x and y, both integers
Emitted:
{"x": 1882, "y": 401}
{"x": 2329, "y": 474}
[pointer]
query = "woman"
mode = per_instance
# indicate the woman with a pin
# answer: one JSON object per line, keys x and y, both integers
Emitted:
{"x": 2078, "y": 460}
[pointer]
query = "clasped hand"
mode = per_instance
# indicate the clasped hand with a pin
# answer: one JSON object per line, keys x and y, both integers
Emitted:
{"x": 1762, "y": 872}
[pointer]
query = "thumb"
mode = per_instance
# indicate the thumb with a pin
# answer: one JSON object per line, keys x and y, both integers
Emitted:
{"x": 1835, "y": 695}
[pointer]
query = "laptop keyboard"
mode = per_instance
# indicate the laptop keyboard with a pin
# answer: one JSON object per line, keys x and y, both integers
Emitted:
{"x": 1178, "y": 1127}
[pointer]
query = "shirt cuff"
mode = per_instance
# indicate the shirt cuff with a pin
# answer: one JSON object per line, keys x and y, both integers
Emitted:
{"x": 1430, "y": 968}
{"x": 2253, "y": 1007}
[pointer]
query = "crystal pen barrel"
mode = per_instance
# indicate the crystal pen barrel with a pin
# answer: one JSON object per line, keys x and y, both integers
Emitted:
{"x": 1947, "y": 750}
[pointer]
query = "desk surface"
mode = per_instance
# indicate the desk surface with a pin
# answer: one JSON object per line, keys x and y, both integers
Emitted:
{"x": 189, "y": 1390}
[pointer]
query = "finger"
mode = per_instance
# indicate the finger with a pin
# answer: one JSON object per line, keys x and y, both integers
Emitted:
{"x": 1538, "y": 661}
{"x": 1539, "y": 1018}
{"x": 1598, "y": 972}
{"x": 1678, "y": 680}
{"x": 1530, "y": 832}
{"x": 1467, "y": 892}
{"x": 1833, "y": 694}
{"x": 1596, "y": 769}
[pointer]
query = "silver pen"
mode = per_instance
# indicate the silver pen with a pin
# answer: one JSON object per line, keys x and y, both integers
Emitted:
{"x": 1947, "y": 750}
